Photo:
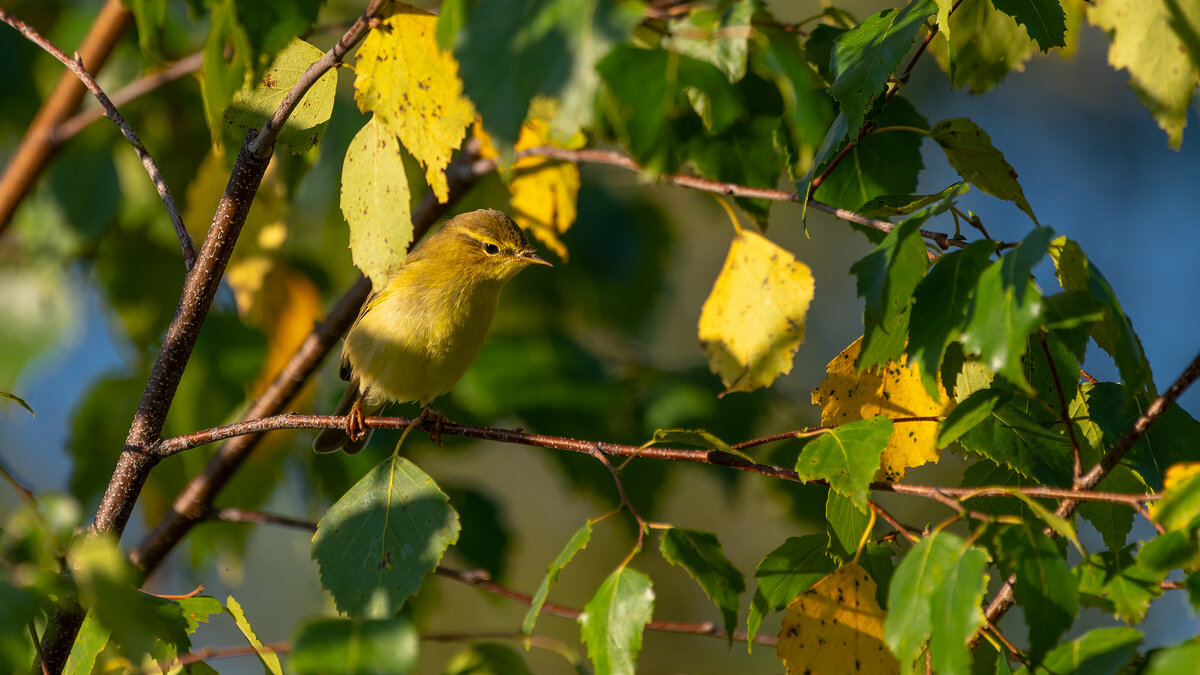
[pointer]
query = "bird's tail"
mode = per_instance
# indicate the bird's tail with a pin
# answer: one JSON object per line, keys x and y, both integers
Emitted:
{"x": 332, "y": 440}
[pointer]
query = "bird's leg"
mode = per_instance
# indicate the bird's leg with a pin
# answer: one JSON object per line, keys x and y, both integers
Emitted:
{"x": 356, "y": 425}
{"x": 430, "y": 412}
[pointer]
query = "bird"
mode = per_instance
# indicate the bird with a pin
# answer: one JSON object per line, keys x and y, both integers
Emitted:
{"x": 418, "y": 334}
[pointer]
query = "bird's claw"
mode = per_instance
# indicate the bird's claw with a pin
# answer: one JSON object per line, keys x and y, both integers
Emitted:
{"x": 356, "y": 424}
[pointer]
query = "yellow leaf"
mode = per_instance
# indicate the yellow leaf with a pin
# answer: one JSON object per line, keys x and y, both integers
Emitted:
{"x": 1175, "y": 475}
{"x": 847, "y": 395}
{"x": 412, "y": 85}
{"x": 836, "y": 627}
{"x": 544, "y": 191}
{"x": 753, "y": 321}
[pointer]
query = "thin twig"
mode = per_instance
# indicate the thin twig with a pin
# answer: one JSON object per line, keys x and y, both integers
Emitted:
{"x": 222, "y": 653}
{"x": 641, "y": 524}
{"x": 609, "y": 157}
{"x": 160, "y": 184}
{"x": 130, "y": 92}
{"x": 23, "y": 492}
{"x": 879, "y": 511}
{"x": 1064, "y": 413}
{"x": 519, "y": 437}
{"x": 231, "y": 515}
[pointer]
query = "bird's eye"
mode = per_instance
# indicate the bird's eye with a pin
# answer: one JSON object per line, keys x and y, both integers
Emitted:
{"x": 491, "y": 249}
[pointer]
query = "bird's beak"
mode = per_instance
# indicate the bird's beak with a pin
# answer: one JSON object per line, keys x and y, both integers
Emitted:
{"x": 532, "y": 258}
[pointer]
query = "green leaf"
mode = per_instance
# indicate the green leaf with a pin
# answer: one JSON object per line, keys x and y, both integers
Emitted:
{"x": 91, "y": 640}
{"x": 986, "y": 44}
{"x": 825, "y": 151}
{"x": 1184, "y": 658}
{"x": 549, "y": 48}
{"x": 1057, "y": 524}
{"x": 612, "y": 621}
{"x": 744, "y": 154}
{"x": 865, "y": 56}
{"x": 887, "y": 206}
{"x": 785, "y": 573}
{"x": 974, "y": 409}
{"x": 969, "y": 150}
{"x": 1114, "y": 522}
{"x": 1114, "y": 334}
{"x": 1005, "y": 308}
{"x": 881, "y": 163}
{"x": 197, "y": 610}
{"x": 1156, "y": 41}
{"x": 847, "y": 457}
{"x": 939, "y": 310}
{"x": 221, "y": 76}
{"x": 845, "y": 523}
{"x": 375, "y": 202}
{"x": 1044, "y": 20}
{"x": 888, "y": 274}
{"x": 18, "y": 400}
{"x": 1169, "y": 551}
{"x": 575, "y": 544}
{"x": 355, "y": 646}
{"x": 487, "y": 658}
{"x": 18, "y": 611}
{"x": 1045, "y": 588}
{"x": 909, "y": 624}
{"x": 267, "y": 656}
{"x": 887, "y": 277}
{"x": 700, "y": 554}
{"x": 452, "y": 14}
{"x": 107, "y": 587}
{"x": 1072, "y": 309}
{"x": 1012, "y": 438}
{"x": 807, "y": 109}
{"x": 149, "y": 15}
{"x": 956, "y": 612}
{"x": 1173, "y": 438}
{"x": 721, "y": 38}
{"x": 1179, "y": 504}
{"x": 377, "y": 543}
{"x": 653, "y": 89}
{"x": 252, "y": 108}
{"x": 271, "y": 26}
{"x": 1116, "y": 583}
{"x": 1103, "y": 651}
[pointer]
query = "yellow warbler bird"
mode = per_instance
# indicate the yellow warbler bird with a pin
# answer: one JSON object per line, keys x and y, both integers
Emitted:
{"x": 415, "y": 337}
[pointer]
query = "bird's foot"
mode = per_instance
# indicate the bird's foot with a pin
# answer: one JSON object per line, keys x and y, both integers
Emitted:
{"x": 431, "y": 413}
{"x": 356, "y": 424}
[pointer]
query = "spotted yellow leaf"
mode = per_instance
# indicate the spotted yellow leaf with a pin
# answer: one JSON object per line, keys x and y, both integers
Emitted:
{"x": 836, "y": 627}
{"x": 847, "y": 395}
{"x": 753, "y": 321}
{"x": 412, "y": 86}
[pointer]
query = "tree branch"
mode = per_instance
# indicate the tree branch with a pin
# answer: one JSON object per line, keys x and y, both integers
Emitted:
{"x": 518, "y": 437}
{"x": 612, "y": 158}
{"x": 76, "y": 67}
{"x": 36, "y": 148}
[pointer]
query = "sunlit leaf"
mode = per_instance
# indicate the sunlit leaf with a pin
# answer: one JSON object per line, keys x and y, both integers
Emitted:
{"x": 956, "y": 612}
{"x": 836, "y": 627}
{"x": 412, "y": 86}
{"x": 266, "y": 656}
{"x": 544, "y": 191}
{"x": 252, "y": 107}
{"x": 1103, "y": 651}
{"x": 847, "y": 456}
{"x": 377, "y": 543}
{"x": 987, "y": 45}
{"x": 719, "y": 37}
{"x": 612, "y": 621}
{"x": 375, "y": 202}
{"x": 1181, "y": 496}
{"x": 1155, "y": 40}
{"x": 969, "y": 150}
{"x": 892, "y": 392}
{"x": 911, "y": 621}
{"x": 753, "y": 321}
{"x": 1115, "y": 582}
{"x": 865, "y": 56}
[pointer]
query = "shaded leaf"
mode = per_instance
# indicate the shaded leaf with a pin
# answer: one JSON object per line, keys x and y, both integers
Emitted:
{"x": 487, "y": 658}
{"x": 575, "y": 544}
{"x": 1103, "y": 651}
{"x": 1116, "y": 583}
{"x": 1044, "y": 20}
{"x": 971, "y": 411}
{"x": 785, "y": 573}
{"x": 1045, "y": 588}
{"x": 956, "y": 612}
{"x": 377, "y": 543}
{"x": 987, "y": 45}
{"x": 612, "y": 621}
{"x": 1173, "y": 438}
{"x": 880, "y": 163}
{"x": 754, "y": 319}
{"x": 721, "y": 38}
{"x": 18, "y": 400}
{"x": 700, "y": 554}
{"x": 845, "y": 523}
{"x": 355, "y": 646}
{"x": 887, "y": 206}
{"x": 837, "y": 627}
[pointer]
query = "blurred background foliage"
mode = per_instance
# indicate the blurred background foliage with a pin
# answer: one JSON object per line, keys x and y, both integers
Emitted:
{"x": 602, "y": 347}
